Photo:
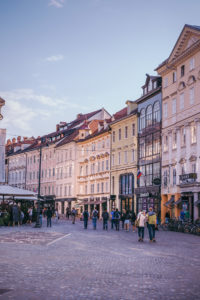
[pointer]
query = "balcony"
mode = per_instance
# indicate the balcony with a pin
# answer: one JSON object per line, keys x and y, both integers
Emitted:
{"x": 187, "y": 179}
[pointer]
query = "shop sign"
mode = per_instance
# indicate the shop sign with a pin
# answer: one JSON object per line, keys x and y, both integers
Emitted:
{"x": 144, "y": 195}
{"x": 157, "y": 181}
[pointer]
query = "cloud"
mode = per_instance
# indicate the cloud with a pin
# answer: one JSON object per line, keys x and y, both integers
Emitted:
{"x": 56, "y": 3}
{"x": 54, "y": 58}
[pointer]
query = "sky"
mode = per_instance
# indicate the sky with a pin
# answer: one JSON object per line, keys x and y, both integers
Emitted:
{"x": 59, "y": 58}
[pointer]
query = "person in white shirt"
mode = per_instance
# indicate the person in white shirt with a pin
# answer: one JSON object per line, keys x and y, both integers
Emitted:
{"x": 141, "y": 220}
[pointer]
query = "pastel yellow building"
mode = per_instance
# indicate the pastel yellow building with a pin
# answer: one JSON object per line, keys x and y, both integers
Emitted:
{"x": 124, "y": 158}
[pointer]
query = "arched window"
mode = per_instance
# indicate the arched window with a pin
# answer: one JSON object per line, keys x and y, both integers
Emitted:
{"x": 149, "y": 116}
{"x": 156, "y": 112}
{"x": 142, "y": 119}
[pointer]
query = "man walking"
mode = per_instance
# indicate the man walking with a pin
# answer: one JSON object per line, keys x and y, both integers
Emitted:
{"x": 141, "y": 219}
{"x": 49, "y": 216}
{"x": 117, "y": 219}
{"x": 73, "y": 215}
{"x": 112, "y": 218}
{"x": 94, "y": 218}
{"x": 85, "y": 218}
{"x": 151, "y": 219}
{"x": 105, "y": 217}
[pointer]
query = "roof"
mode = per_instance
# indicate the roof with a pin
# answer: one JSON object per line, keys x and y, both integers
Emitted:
{"x": 67, "y": 139}
{"x": 7, "y": 190}
{"x": 120, "y": 114}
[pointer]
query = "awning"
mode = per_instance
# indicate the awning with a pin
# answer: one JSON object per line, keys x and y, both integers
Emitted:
{"x": 7, "y": 190}
{"x": 169, "y": 202}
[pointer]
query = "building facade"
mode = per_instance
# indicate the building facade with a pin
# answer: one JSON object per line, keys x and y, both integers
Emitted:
{"x": 2, "y": 146}
{"x": 149, "y": 145}
{"x": 181, "y": 125}
{"x": 124, "y": 158}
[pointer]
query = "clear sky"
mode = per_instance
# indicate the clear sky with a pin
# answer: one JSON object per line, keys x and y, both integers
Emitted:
{"x": 63, "y": 57}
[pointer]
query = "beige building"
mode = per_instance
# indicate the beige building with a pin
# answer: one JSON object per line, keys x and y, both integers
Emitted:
{"x": 2, "y": 146}
{"x": 181, "y": 125}
{"x": 93, "y": 181}
{"x": 124, "y": 158}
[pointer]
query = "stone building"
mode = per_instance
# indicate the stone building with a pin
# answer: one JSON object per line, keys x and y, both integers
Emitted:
{"x": 180, "y": 74}
{"x": 2, "y": 146}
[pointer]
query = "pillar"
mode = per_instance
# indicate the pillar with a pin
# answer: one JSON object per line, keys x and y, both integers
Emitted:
{"x": 195, "y": 211}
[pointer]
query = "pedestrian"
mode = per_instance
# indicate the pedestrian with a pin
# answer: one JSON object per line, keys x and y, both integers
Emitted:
{"x": 85, "y": 218}
{"x": 133, "y": 219}
{"x": 40, "y": 217}
{"x": 94, "y": 218}
{"x": 21, "y": 217}
{"x": 67, "y": 213}
{"x": 117, "y": 219}
{"x": 123, "y": 218}
{"x": 56, "y": 215}
{"x": 112, "y": 218}
{"x": 182, "y": 215}
{"x": 105, "y": 216}
{"x": 49, "y": 216}
{"x": 15, "y": 211}
{"x": 167, "y": 217}
{"x": 127, "y": 220}
{"x": 30, "y": 215}
{"x": 141, "y": 219}
{"x": 151, "y": 219}
{"x": 73, "y": 213}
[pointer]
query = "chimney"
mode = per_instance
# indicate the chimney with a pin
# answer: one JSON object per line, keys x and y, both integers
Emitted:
{"x": 131, "y": 105}
{"x": 57, "y": 127}
{"x": 25, "y": 138}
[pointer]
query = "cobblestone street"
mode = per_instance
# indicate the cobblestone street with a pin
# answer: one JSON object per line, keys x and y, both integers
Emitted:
{"x": 68, "y": 262}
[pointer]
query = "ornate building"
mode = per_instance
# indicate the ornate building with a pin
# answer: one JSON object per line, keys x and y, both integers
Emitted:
{"x": 181, "y": 125}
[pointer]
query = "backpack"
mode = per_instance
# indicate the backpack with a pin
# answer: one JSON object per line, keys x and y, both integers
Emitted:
{"x": 95, "y": 214}
{"x": 117, "y": 215}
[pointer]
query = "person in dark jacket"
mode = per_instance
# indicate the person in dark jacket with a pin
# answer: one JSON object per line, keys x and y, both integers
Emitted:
{"x": 133, "y": 219}
{"x": 85, "y": 218}
{"x": 73, "y": 213}
{"x": 105, "y": 216}
{"x": 123, "y": 218}
{"x": 117, "y": 219}
{"x": 49, "y": 216}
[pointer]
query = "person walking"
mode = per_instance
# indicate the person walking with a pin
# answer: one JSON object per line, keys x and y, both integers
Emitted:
{"x": 151, "y": 219}
{"x": 123, "y": 218}
{"x": 67, "y": 213}
{"x": 127, "y": 220}
{"x": 133, "y": 219}
{"x": 85, "y": 218}
{"x": 105, "y": 216}
{"x": 40, "y": 217}
{"x": 117, "y": 219}
{"x": 141, "y": 219}
{"x": 73, "y": 213}
{"x": 94, "y": 218}
{"x": 49, "y": 216}
{"x": 112, "y": 218}
{"x": 56, "y": 215}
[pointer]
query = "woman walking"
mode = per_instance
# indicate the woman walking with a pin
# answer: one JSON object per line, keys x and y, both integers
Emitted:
{"x": 127, "y": 220}
{"x": 141, "y": 219}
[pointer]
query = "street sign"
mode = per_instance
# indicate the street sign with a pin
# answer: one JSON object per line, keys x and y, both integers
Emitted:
{"x": 157, "y": 181}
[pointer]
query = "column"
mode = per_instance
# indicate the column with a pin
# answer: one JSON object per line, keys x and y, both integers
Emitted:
{"x": 195, "y": 211}
{"x": 188, "y": 147}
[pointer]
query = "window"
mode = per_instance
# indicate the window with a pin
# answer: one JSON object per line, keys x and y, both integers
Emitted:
{"x": 174, "y": 76}
{"x": 142, "y": 148}
{"x": 183, "y": 136}
{"x": 193, "y": 134}
{"x": 97, "y": 187}
{"x": 182, "y": 101}
{"x": 149, "y": 116}
{"x": 125, "y": 157}
{"x": 113, "y": 159}
{"x": 192, "y": 63}
{"x": 120, "y": 134}
{"x": 49, "y": 173}
{"x": 92, "y": 188}
{"x": 102, "y": 166}
{"x": 183, "y": 169}
{"x": 173, "y": 106}
{"x": 182, "y": 70}
{"x": 166, "y": 143}
{"x": 156, "y": 112}
{"x": 86, "y": 170}
{"x": 86, "y": 189}
{"x": 165, "y": 82}
{"x": 192, "y": 95}
{"x": 93, "y": 147}
{"x": 165, "y": 178}
{"x": 107, "y": 164}
{"x": 113, "y": 184}
{"x": 148, "y": 145}
{"x": 165, "y": 110}
{"x": 113, "y": 136}
{"x": 126, "y": 132}
{"x": 126, "y": 184}
{"x": 107, "y": 186}
{"x": 142, "y": 119}
{"x": 156, "y": 145}
{"x": 174, "y": 140}
{"x": 53, "y": 171}
{"x": 98, "y": 166}
{"x": 133, "y": 155}
{"x": 102, "y": 187}
{"x": 194, "y": 168}
{"x": 81, "y": 170}
{"x": 119, "y": 158}
{"x": 133, "y": 129}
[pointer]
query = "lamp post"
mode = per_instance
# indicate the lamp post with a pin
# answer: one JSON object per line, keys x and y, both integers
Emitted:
{"x": 37, "y": 224}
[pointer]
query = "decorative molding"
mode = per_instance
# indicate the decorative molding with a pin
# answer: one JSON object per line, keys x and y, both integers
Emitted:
{"x": 181, "y": 86}
{"x": 191, "y": 80}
